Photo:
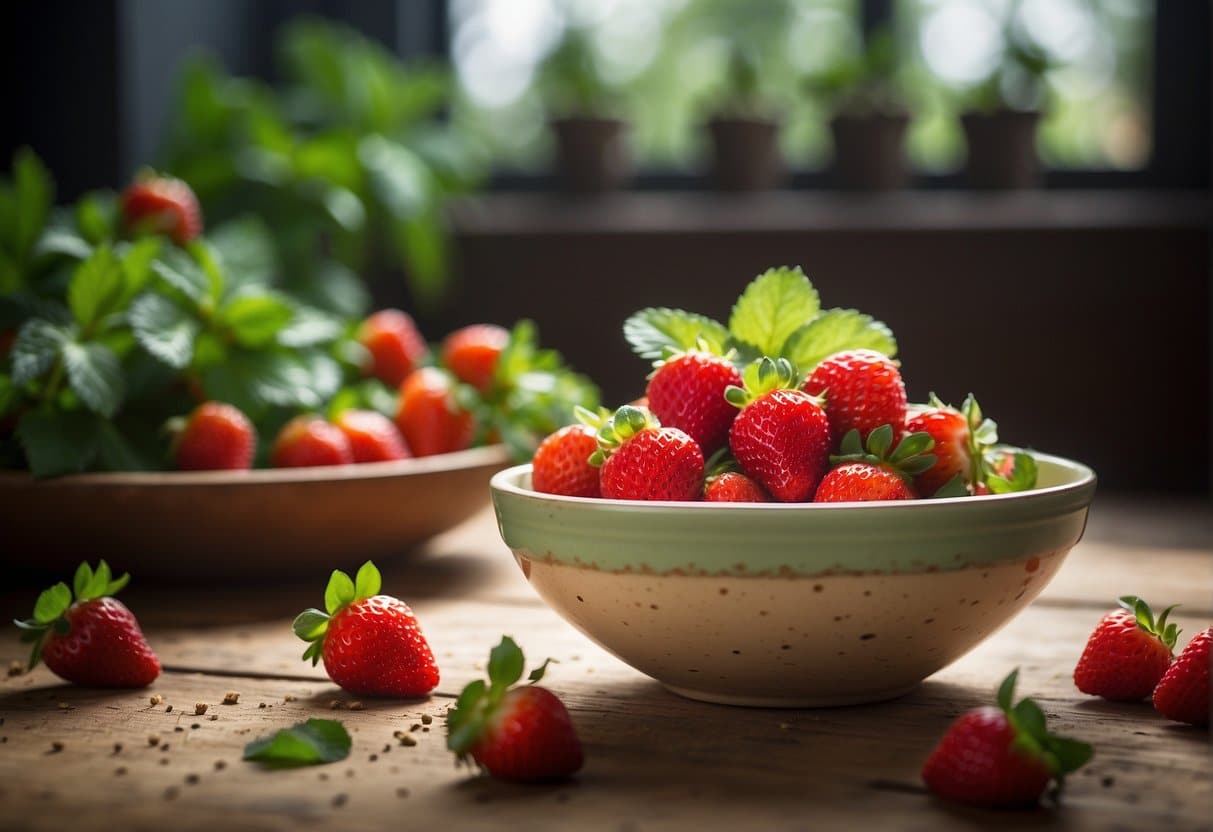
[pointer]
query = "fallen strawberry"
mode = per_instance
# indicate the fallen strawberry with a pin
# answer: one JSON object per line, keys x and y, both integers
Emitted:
{"x": 1183, "y": 692}
{"x": 862, "y": 389}
{"x": 1001, "y": 757}
{"x": 372, "y": 436}
{"x": 307, "y": 442}
{"x": 1127, "y": 654}
{"x": 371, "y": 643}
{"x": 394, "y": 343}
{"x": 95, "y": 641}
{"x": 875, "y": 473}
{"x": 429, "y": 417}
{"x": 471, "y": 353}
{"x": 513, "y": 733}
{"x": 215, "y": 436}
{"x": 641, "y": 460}
{"x": 686, "y": 391}
{"x": 161, "y": 205}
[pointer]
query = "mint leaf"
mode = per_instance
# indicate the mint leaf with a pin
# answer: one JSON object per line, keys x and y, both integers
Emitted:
{"x": 56, "y": 442}
{"x": 308, "y": 743}
{"x": 96, "y": 288}
{"x": 164, "y": 329}
{"x": 776, "y": 304}
{"x": 836, "y": 330}
{"x": 37, "y": 348}
{"x": 654, "y": 330}
{"x": 182, "y": 272}
{"x": 255, "y": 318}
{"x": 35, "y": 194}
{"x": 95, "y": 376}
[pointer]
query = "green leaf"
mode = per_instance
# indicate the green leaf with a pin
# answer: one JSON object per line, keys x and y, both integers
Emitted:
{"x": 1030, "y": 718}
{"x": 310, "y": 624}
{"x": 836, "y": 330}
{"x": 310, "y": 327}
{"x": 1023, "y": 475}
{"x": 505, "y": 664}
{"x": 52, "y": 603}
{"x": 62, "y": 241}
{"x": 97, "y": 217}
{"x": 954, "y": 487}
{"x": 776, "y": 304}
{"x": 1071, "y": 755}
{"x": 332, "y": 287}
{"x": 35, "y": 194}
{"x": 465, "y": 721}
{"x": 164, "y": 329}
{"x": 653, "y": 331}
{"x": 96, "y": 288}
{"x": 339, "y": 593}
{"x": 1006, "y": 691}
{"x": 308, "y": 743}
{"x": 245, "y": 247}
{"x": 536, "y": 675}
{"x": 38, "y": 347}
{"x": 95, "y": 375}
{"x": 424, "y": 250}
{"x": 367, "y": 582}
{"x": 182, "y": 272}
{"x": 398, "y": 178}
{"x": 83, "y": 577}
{"x": 57, "y": 442}
{"x": 137, "y": 259}
{"x": 254, "y": 380}
{"x": 116, "y": 453}
{"x": 255, "y": 318}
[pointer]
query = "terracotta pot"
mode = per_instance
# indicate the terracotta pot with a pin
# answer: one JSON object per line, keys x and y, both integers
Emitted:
{"x": 869, "y": 151}
{"x": 745, "y": 153}
{"x": 1002, "y": 149}
{"x": 591, "y": 153}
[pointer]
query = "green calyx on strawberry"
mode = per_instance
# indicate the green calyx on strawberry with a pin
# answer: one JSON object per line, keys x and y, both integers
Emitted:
{"x": 50, "y": 610}
{"x": 1160, "y": 628}
{"x": 622, "y": 425}
{"x": 985, "y": 466}
{"x": 762, "y": 376}
{"x": 908, "y": 459}
{"x": 1059, "y": 755}
{"x": 312, "y": 625}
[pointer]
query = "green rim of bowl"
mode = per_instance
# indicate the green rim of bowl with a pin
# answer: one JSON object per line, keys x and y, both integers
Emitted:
{"x": 795, "y": 538}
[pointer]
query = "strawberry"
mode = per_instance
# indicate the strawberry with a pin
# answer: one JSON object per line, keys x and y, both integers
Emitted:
{"x": 513, "y": 733}
{"x": 161, "y": 205}
{"x": 429, "y": 417}
{"x": 371, "y": 643}
{"x": 394, "y": 343}
{"x": 686, "y": 391}
{"x": 966, "y": 461}
{"x": 471, "y": 353}
{"x": 215, "y": 436}
{"x": 1183, "y": 693}
{"x": 641, "y": 460}
{"x": 863, "y": 390}
{"x": 1127, "y": 654}
{"x": 562, "y": 463}
{"x": 875, "y": 474}
{"x": 734, "y": 487}
{"x": 307, "y": 442}
{"x": 372, "y": 436}
{"x": 781, "y": 438}
{"x": 1001, "y": 757}
{"x": 95, "y": 641}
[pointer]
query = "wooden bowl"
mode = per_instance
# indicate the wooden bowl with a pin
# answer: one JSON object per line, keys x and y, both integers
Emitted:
{"x": 217, "y": 524}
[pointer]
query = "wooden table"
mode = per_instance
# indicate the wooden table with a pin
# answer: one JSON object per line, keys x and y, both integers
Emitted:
{"x": 653, "y": 760}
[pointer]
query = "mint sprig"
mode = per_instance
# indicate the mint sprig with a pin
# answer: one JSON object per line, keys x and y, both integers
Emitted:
{"x": 314, "y": 742}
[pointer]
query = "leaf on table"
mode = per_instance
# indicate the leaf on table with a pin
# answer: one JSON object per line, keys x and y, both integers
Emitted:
{"x": 308, "y": 743}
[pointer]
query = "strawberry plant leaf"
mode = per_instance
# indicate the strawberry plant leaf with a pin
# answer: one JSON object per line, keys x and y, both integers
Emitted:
{"x": 654, "y": 330}
{"x": 58, "y": 442}
{"x": 137, "y": 261}
{"x": 95, "y": 375}
{"x": 164, "y": 329}
{"x": 308, "y": 743}
{"x": 116, "y": 453}
{"x": 179, "y": 270}
{"x": 64, "y": 242}
{"x": 422, "y": 243}
{"x": 96, "y": 288}
{"x": 339, "y": 593}
{"x": 38, "y": 347}
{"x": 254, "y": 318}
{"x": 367, "y": 582}
{"x": 777, "y": 303}
{"x": 35, "y": 194}
{"x": 52, "y": 603}
{"x": 310, "y": 327}
{"x": 954, "y": 487}
{"x": 245, "y": 249}
{"x": 1023, "y": 474}
{"x": 97, "y": 217}
{"x": 505, "y": 664}
{"x": 207, "y": 258}
{"x": 833, "y": 331}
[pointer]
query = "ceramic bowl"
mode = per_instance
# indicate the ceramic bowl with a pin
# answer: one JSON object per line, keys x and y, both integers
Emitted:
{"x": 793, "y": 605}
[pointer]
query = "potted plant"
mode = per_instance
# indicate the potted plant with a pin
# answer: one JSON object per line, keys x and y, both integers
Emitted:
{"x": 591, "y": 148}
{"x": 869, "y": 116}
{"x": 1000, "y": 125}
{"x": 744, "y": 132}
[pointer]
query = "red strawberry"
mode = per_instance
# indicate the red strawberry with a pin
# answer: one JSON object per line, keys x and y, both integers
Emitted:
{"x": 875, "y": 474}
{"x": 686, "y": 391}
{"x": 781, "y": 437}
{"x": 521, "y": 733}
{"x": 964, "y": 448}
{"x": 371, "y": 643}
{"x": 162, "y": 205}
{"x": 562, "y": 463}
{"x": 215, "y": 436}
{"x": 395, "y": 345}
{"x": 1127, "y": 654}
{"x": 641, "y": 460}
{"x": 372, "y": 436}
{"x": 430, "y": 419}
{"x": 94, "y": 642}
{"x": 863, "y": 390}
{"x": 307, "y": 442}
{"x": 1001, "y": 757}
{"x": 471, "y": 353}
{"x": 734, "y": 487}
{"x": 1183, "y": 693}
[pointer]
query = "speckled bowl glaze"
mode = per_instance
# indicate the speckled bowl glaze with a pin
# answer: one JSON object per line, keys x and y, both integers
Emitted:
{"x": 793, "y": 605}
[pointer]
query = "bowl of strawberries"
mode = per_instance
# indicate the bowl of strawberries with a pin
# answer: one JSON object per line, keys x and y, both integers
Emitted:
{"x": 752, "y": 533}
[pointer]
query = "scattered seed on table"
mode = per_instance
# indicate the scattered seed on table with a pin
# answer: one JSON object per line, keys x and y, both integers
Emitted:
{"x": 416, "y": 726}
{"x": 153, "y": 739}
{"x": 178, "y": 729}
{"x": 335, "y": 704}
{"x": 200, "y": 708}
{"x": 387, "y": 746}
{"x": 15, "y": 668}
{"x": 56, "y": 747}
{"x": 425, "y": 729}
{"x": 405, "y": 739}
{"x": 340, "y": 800}
{"x": 168, "y": 709}
{"x": 426, "y": 719}
{"x": 262, "y": 705}
{"x": 63, "y": 706}
{"x": 349, "y": 772}
{"x": 213, "y": 717}
{"x": 231, "y": 697}
{"x": 196, "y": 726}
{"x": 156, "y": 699}
{"x": 220, "y": 765}
{"x": 374, "y": 758}
{"x": 164, "y": 761}
{"x": 117, "y": 748}
{"x": 164, "y": 747}
{"x": 354, "y": 706}
{"x": 324, "y": 775}
{"x": 290, "y": 697}
{"x": 120, "y": 770}
{"x": 402, "y": 792}
{"x": 171, "y": 793}
{"x": 192, "y": 779}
